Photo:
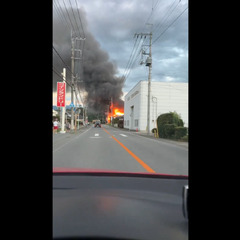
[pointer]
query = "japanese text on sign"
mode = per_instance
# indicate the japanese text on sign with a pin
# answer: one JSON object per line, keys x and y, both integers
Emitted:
{"x": 61, "y": 94}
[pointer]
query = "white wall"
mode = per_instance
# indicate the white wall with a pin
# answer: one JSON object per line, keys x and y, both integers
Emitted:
{"x": 132, "y": 99}
{"x": 169, "y": 97}
{"x": 172, "y": 97}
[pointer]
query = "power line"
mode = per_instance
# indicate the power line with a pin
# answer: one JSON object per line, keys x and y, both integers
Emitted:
{"x": 62, "y": 60}
{"x": 80, "y": 19}
{"x": 151, "y": 14}
{"x": 165, "y": 17}
{"x": 60, "y": 76}
{"x": 69, "y": 17}
{"x": 74, "y": 16}
{"x": 135, "y": 53}
{"x": 133, "y": 58}
{"x": 127, "y": 69}
{"x": 170, "y": 24}
{"x": 61, "y": 13}
{"x": 82, "y": 30}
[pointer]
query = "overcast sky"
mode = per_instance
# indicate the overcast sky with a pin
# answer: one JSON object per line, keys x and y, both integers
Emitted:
{"x": 113, "y": 23}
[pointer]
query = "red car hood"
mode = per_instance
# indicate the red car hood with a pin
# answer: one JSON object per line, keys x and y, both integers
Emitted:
{"x": 105, "y": 171}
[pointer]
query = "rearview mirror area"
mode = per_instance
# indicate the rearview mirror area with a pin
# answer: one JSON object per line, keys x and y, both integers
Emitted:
{"x": 185, "y": 201}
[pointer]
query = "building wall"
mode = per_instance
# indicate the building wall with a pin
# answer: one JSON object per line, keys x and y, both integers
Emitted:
{"x": 165, "y": 97}
{"x": 132, "y": 103}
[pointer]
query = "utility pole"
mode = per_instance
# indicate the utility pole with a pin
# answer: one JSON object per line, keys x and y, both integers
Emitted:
{"x": 111, "y": 111}
{"x": 148, "y": 64}
{"x": 73, "y": 76}
{"x": 72, "y": 87}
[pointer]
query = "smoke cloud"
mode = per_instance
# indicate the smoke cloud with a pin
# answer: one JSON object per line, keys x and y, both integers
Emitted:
{"x": 97, "y": 74}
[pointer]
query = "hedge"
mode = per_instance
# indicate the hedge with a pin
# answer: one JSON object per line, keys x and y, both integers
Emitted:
{"x": 170, "y": 125}
{"x": 169, "y": 130}
{"x": 180, "y": 132}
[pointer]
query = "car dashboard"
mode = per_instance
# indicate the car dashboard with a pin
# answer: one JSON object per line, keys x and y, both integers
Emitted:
{"x": 118, "y": 206}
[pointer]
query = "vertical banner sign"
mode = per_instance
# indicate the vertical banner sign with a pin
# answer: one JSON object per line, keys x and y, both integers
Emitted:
{"x": 61, "y": 94}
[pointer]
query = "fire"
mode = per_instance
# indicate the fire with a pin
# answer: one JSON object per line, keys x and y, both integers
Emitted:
{"x": 116, "y": 113}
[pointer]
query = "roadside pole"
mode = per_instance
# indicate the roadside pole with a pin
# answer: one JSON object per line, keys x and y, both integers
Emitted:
{"x": 111, "y": 111}
{"x": 148, "y": 64}
{"x": 63, "y": 108}
{"x": 72, "y": 90}
{"x": 75, "y": 125}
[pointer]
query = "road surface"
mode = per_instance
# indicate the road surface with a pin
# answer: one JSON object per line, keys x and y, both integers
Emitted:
{"x": 109, "y": 148}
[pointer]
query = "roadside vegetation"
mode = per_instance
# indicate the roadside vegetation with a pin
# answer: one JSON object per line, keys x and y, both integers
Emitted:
{"x": 171, "y": 126}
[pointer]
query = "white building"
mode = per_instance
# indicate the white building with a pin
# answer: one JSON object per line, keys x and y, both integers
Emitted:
{"x": 165, "y": 97}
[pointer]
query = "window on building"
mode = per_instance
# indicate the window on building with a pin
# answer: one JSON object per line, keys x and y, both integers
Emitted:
{"x": 136, "y": 122}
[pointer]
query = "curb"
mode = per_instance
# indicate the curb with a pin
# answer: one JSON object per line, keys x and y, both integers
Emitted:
{"x": 183, "y": 144}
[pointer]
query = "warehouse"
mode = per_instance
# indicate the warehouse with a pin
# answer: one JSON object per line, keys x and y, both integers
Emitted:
{"x": 165, "y": 97}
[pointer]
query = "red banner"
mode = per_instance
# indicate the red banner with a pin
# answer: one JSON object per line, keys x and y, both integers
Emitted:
{"x": 61, "y": 88}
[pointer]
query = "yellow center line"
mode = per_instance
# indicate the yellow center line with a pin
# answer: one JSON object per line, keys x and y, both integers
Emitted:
{"x": 143, "y": 164}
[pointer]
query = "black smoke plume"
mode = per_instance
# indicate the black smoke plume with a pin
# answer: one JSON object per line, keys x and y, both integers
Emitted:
{"x": 97, "y": 74}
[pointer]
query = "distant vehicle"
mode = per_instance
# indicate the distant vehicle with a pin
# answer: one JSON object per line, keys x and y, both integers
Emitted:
{"x": 97, "y": 124}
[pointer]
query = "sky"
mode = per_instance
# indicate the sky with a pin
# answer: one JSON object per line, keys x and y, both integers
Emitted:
{"x": 113, "y": 25}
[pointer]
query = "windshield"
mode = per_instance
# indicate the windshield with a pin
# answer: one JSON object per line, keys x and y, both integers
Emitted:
{"x": 120, "y": 86}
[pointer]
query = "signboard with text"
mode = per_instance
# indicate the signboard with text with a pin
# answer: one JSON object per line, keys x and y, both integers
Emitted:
{"x": 61, "y": 88}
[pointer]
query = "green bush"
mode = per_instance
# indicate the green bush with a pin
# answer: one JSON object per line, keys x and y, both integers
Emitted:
{"x": 170, "y": 125}
{"x": 161, "y": 132}
{"x": 166, "y": 118}
{"x": 180, "y": 132}
{"x": 169, "y": 130}
{"x": 176, "y": 119}
{"x": 184, "y": 138}
{"x": 161, "y": 121}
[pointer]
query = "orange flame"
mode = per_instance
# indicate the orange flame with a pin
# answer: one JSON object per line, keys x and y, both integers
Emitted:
{"x": 116, "y": 113}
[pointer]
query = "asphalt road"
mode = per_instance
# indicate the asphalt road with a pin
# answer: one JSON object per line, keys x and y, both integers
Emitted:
{"x": 109, "y": 148}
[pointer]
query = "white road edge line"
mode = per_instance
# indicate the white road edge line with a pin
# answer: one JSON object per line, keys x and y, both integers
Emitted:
{"x": 70, "y": 141}
{"x": 123, "y": 135}
{"x": 165, "y": 143}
